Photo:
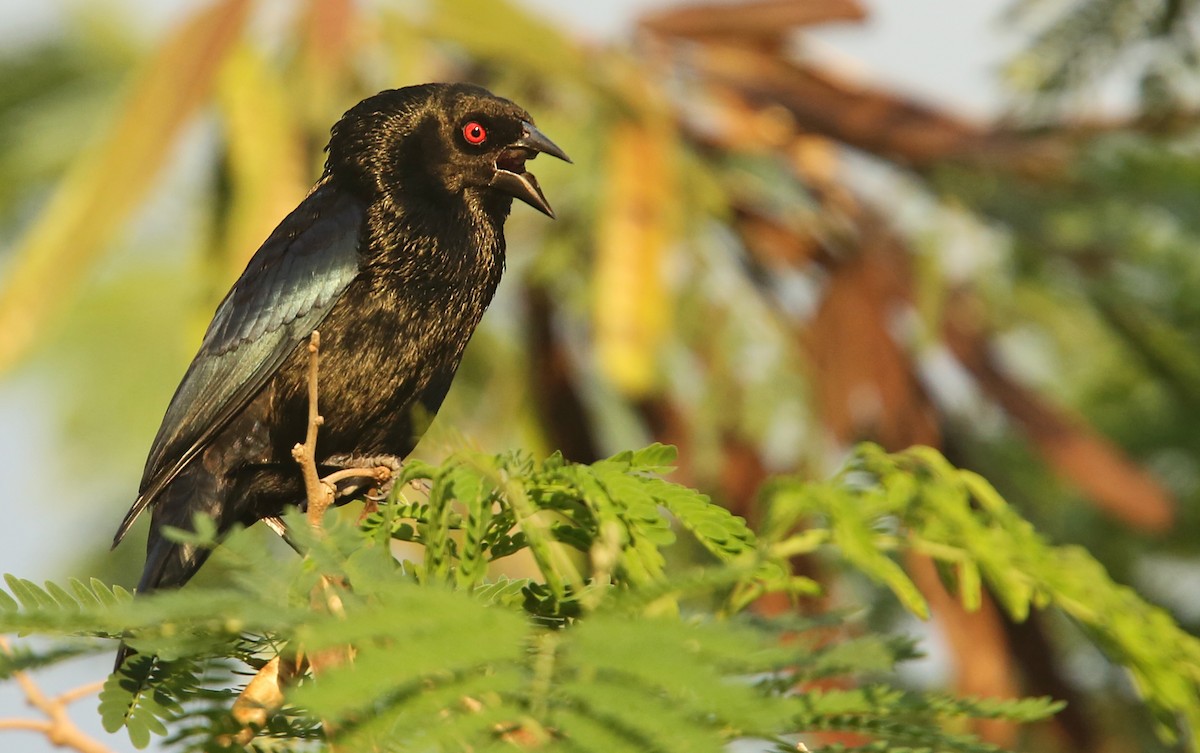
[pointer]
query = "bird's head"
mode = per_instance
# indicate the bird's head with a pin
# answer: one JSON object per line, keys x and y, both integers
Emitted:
{"x": 439, "y": 143}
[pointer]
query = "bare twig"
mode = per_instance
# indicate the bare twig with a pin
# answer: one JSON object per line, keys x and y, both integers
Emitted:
{"x": 264, "y": 693}
{"x": 58, "y": 727}
{"x": 754, "y": 21}
{"x": 381, "y": 474}
{"x": 83, "y": 691}
{"x": 319, "y": 494}
{"x": 825, "y": 102}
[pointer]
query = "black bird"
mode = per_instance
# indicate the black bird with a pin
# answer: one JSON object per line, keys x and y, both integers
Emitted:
{"x": 393, "y": 255}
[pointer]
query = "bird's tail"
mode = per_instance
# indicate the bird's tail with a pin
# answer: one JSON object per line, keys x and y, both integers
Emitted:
{"x": 170, "y": 564}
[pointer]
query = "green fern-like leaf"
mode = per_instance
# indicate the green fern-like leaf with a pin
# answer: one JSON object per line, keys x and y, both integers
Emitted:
{"x": 142, "y": 696}
{"x": 916, "y": 501}
{"x": 22, "y": 658}
{"x": 403, "y": 636}
{"x": 603, "y": 649}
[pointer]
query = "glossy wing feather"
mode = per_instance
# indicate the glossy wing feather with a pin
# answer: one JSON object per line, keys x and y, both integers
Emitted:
{"x": 287, "y": 289}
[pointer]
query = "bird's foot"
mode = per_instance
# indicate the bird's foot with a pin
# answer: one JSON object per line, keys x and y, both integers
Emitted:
{"x": 373, "y": 475}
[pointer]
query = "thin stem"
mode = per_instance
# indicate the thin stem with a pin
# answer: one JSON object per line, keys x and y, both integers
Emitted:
{"x": 380, "y": 474}
{"x": 33, "y": 725}
{"x": 58, "y": 728}
{"x": 318, "y": 493}
{"x": 83, "y": 691}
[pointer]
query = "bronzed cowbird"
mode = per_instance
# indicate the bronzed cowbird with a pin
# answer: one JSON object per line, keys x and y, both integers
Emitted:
{"x": 393, "y": 255}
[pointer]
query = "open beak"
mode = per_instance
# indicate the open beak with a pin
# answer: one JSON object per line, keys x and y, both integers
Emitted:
{"x": 511, "y": 176}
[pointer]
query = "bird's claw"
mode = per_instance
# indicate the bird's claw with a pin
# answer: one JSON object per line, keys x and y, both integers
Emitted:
{"x": 378, "y": 486}
{"x": 385, "y": 479}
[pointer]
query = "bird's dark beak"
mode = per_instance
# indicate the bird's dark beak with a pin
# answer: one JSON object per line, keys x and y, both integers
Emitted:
{"x": 511, "y": 177}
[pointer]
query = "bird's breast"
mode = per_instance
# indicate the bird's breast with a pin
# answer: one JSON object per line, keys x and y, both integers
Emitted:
{"x": 388, "y": 353}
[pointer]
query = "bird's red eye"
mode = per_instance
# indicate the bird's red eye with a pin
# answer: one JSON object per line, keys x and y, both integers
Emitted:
{"x": 474, "y": 133}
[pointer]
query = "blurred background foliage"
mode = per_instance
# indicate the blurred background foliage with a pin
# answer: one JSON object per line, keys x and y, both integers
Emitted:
{"x": 758, "y": 257}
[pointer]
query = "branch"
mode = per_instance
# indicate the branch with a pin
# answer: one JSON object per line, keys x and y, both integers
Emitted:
{"x": 760, "y": 20}
{"x": 58, "y": 728}
{"x": 380, "y": 474}
{"x": 319, "y": 494}
{"x": 1105, "y": 473}
{"x": 875, "y": 121}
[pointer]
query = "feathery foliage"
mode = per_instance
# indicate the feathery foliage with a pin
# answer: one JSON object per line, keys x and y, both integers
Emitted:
{"x": 603, "y": 647}
{"x": 915, "y": 501}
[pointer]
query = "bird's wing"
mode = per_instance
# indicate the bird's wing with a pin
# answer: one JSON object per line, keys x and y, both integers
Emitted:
{"x": 288, "y": 288}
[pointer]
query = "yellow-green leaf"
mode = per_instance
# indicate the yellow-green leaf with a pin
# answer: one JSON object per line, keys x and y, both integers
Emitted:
{"x": 630, "y": 300}
{"x": 265, "y": 155}
{"x": 112, "y": 177}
